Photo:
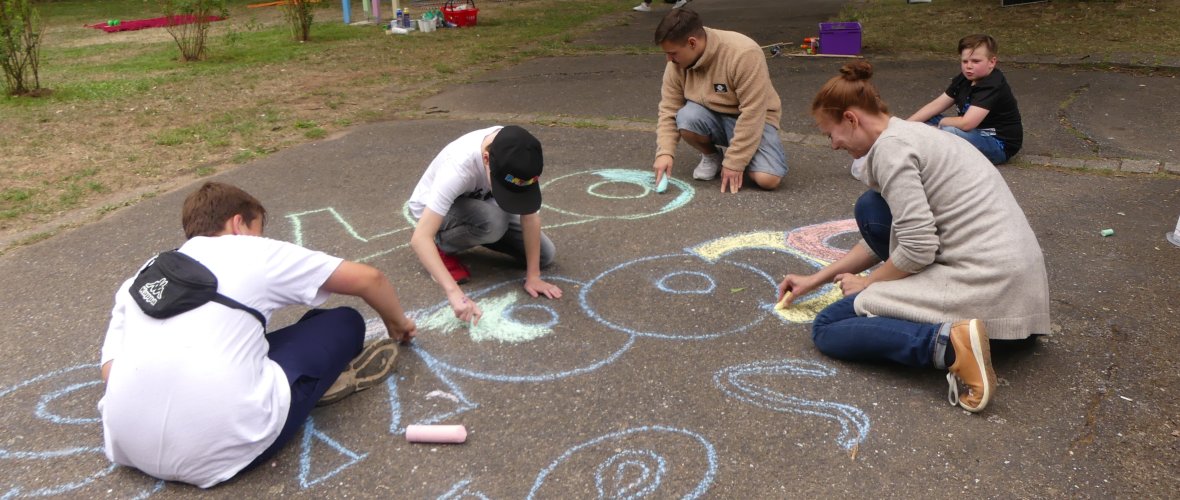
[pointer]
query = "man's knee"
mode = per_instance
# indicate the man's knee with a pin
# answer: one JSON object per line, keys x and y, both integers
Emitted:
{"x": 766, "y": 181}
{"x": 691, "y": 113}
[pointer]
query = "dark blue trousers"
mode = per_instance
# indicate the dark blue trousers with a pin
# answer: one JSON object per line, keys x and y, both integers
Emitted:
{"x": 313, "y": 352}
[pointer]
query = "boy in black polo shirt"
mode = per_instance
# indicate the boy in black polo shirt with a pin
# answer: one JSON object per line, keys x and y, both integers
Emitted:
{"x": 988, "y": 116}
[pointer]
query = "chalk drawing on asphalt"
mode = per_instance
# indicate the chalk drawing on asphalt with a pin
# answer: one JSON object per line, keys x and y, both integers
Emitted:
{"x": 631, "y": 189}
{"x": 501, "y": 360}
{"x": 313, "y": 439}
{"x": 65, "y": 397}
{"x": 741, "y": 382}
{"x": 674, "y": 304}
{"x": 633, "y": 464}
{"x": 701, "y": 271}
{"x": 462, "y": 489}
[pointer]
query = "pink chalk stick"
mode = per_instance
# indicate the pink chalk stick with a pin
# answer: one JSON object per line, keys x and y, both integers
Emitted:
{"x": 436, "y": 433}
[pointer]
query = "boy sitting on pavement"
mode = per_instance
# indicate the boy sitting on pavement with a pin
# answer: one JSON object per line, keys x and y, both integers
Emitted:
{"x": 988, "y": 115}
{"x": 717, "y": 92}
{"x": 482, "y": 189}
{"x": 202, "y": 395}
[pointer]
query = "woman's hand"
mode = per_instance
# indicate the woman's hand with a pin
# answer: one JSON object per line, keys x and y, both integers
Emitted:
{"x": 851, "y": 283}
{"x": 797, "y": 286}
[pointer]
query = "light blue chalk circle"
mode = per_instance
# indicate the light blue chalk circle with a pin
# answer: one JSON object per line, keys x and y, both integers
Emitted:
{"x": 593, "y": 189}
{"x": 44, "y": 412}
{"x": 695, "y": 334}
{"x": 709, "y": 285}
{"x": 640, "y": 178}
{"x": 510, "y": 314}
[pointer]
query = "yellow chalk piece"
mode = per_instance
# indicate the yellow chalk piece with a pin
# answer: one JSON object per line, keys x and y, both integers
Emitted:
{"x": 782, "y": 304}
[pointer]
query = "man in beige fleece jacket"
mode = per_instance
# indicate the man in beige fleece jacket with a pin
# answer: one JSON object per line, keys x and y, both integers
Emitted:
{"x": 717, "y": 92}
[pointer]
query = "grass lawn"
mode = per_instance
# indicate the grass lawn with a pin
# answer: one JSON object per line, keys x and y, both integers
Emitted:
{"x": 126, "y": 119}
{"x": 1101, "y": 29}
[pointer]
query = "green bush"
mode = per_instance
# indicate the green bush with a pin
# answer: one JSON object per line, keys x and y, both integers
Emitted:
{"x": 190, "y": 37}
{"x": 20, "y": 46}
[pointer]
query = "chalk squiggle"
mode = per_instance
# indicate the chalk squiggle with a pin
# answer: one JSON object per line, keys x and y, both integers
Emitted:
{"x": 733, "y": 381}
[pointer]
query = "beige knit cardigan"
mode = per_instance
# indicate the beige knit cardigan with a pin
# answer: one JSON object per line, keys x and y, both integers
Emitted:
{"x": 956, "y": 226}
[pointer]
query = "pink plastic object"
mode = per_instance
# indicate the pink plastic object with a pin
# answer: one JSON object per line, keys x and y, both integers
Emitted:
{"x": 436, "y": 433}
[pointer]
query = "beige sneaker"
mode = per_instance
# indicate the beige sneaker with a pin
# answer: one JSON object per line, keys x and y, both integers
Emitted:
{"x": 972, "y": 368}
{"x": 371, "y": 367}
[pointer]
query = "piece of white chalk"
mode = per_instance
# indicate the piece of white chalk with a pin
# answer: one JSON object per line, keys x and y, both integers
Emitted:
{"x": 663, "y": 185}
{"x": 436, "y": 433}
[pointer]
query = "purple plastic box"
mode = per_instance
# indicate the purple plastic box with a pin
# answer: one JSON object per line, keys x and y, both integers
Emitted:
{"x": 839, "y": 38}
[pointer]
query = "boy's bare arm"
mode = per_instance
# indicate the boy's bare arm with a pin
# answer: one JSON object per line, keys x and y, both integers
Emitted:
{"x": 932, "y": 109}
{"x": 370, "y": 284}
{"x": 533, "y": 284}
{"x": 967, "y": 122}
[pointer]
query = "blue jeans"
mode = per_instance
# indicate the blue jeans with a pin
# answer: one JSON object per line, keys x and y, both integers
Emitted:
{"x": 770, "y": 157}
{"x": 840, "y": 333}
{"x": 472, "y": 222}
{"x": 983, "y": 139}
{"x": 875, "y": 219}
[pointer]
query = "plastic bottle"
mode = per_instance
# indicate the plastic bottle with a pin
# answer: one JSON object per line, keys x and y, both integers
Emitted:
{"x": 407, "y": 19}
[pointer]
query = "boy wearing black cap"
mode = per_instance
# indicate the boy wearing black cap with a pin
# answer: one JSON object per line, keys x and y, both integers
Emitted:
{"x": 482, "y": 189}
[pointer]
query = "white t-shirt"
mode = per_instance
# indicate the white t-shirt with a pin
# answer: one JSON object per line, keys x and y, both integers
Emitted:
{"x": 194, "y": 397}
{"x": 457, "y": 171}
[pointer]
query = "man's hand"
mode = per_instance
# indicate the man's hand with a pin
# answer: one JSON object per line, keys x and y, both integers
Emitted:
{"x": 732, "y": 178}
{"x": 662, "y": 166}
{"x": 537, "y": 287}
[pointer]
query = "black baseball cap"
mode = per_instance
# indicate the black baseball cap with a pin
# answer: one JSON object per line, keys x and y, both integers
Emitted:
{"x": 515, "y": 161}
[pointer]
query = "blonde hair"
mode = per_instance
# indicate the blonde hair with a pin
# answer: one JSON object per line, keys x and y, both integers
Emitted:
{"x": 852, "y": 88}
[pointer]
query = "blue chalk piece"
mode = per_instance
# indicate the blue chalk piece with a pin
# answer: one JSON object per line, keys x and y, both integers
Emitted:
{"x": 663, "y": 185}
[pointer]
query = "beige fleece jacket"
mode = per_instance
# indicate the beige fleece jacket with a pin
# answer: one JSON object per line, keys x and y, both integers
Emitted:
{"x": 730, "y": 77}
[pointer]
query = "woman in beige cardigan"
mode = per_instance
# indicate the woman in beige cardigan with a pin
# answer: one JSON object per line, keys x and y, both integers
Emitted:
{"x": 955, "y": 249}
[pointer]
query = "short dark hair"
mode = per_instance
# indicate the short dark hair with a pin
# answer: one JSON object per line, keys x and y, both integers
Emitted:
{"x": 206, "y": 209}
{"x": 976, "y": 41}
{"x": 678, "y": 25}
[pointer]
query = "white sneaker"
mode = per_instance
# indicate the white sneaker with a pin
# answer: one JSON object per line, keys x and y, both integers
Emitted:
{"x": 643, "y": 7}
{"x": 708, "y": 167}
{"x": 680, "y": 3}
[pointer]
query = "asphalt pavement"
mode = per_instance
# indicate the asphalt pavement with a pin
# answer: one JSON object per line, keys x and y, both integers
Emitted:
{"x": 664, "y": 370}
